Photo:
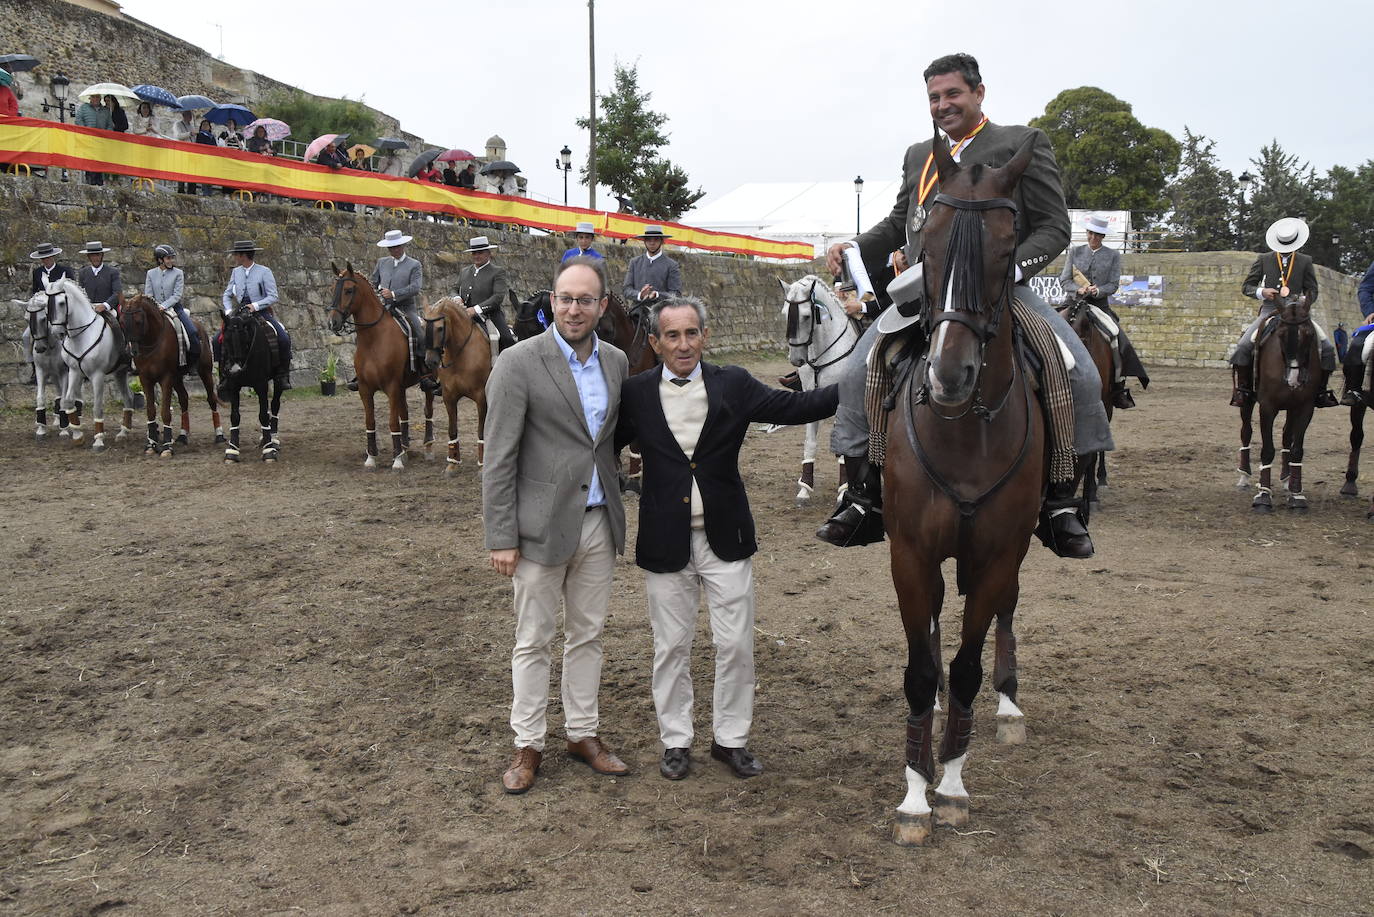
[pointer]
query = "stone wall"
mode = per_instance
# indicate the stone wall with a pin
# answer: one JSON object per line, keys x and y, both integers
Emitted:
{"x": 300, "y": 243}
{"x": 91, "y": 47}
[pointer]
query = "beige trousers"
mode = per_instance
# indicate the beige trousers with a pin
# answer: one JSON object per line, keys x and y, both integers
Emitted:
{"x": 583, "y": 587}
{"x": 674, "y": 599}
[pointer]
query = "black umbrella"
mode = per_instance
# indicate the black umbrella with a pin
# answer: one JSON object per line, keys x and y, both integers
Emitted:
{"x": 500, "y": 165}
{"x": 391, "y": 143}
{"x": 419, "y": 162}
{"x": 15, "y": 63}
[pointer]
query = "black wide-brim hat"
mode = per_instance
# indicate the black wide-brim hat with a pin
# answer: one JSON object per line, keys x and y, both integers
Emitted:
{"x": 244, "y": 247}
{"x": 45, "y": 250}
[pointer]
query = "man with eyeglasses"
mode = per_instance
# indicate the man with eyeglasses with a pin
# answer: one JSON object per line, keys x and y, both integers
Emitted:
{"x": 552, "y": 512}
{"x": 483, "y": 286}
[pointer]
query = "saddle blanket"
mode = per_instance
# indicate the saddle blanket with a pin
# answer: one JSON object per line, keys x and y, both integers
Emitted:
{"x": 1069, "y": 361}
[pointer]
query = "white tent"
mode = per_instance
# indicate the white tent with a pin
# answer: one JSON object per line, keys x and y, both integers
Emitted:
{"x": 815, "y": 212}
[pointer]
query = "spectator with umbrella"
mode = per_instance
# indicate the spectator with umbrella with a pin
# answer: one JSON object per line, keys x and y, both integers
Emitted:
{"x": 260, "y": 142}
{"x": 336, "y": 159}
{"x": 231, "y": 137}
{"x": 143, "y": 123}
{"x": 468, "y": 177}
{"x": 119, "y": 122}
{"x": 205, "y": 135}
{"x": 9, "y": 102}
{"x": 501, "y": 177}
{"x": 226, "y": 112}
{"x": 93, "y": 113}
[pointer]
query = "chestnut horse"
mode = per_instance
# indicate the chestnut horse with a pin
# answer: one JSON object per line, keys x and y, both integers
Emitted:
{"x": 1287, "y": 378}
{"x": 381, "y": 360}
{"x": 149, "y": 331}
{"x": 456, "y": 351}
{"x": 966, "y": 466}
{"x": 1078, "y": 313}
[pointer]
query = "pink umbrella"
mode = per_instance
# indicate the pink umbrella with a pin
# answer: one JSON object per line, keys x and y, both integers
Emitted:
{"x": 276, "y": 130}
{"x": 318, "y": 144}
{"x": 454, "y": 156}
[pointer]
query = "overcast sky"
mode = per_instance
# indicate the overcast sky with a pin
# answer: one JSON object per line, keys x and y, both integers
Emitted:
{"x": 758, "y": 90}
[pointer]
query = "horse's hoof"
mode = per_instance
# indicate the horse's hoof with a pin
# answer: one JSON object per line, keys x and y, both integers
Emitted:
{"x": 451, "y": 470}
{"x": 1011, "y": 730}
{"x": 40, "y": 435}
{"x": 150, "y": 451}
{"x": 231, "y": 458}
{"x": 1258, "y": 507}
{"x": 370, "y": 464}
{"x": 399, "y": 464}
{"x": 1243, "y": 482}
{"x": 64, "y": 434}
{"x": 911, "y": 830}
{"x": 220, "y": 440}
{"x": 166, "y": 453}
{"x": 98, "y": 446}
{"x": 121, "y": 434}
{"x": 950, "y": 811}
{"x": 1350, "y": 490}
{"x": 1297, "y": 503}
{"x": 77, "y": 437}
{"x": 183, "y": 440}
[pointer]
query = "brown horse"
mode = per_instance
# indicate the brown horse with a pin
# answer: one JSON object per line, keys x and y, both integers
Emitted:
{"x": 1078, "y": 314}
{"x": 965, "y": 469}
{"x": 1287, "y": 378}
{"x": 628, "y": 329}
{"x": 381, "y": 359}
{"x": 149, "y": 331}
{"x": 456, "y": 351}
{"x": 1357, "y": 411}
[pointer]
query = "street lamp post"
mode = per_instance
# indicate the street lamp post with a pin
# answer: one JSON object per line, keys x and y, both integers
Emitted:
{"x": 858, "y": 204}
{"x": 1245, "y": 180}
{"x": 564, "y": 164}
{"x": 58, "y": 84}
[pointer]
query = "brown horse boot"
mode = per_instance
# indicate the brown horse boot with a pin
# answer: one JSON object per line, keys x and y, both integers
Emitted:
{"x": 1121, "y": 396}
{"x": 1241, "y": 393}
{"x": 858, "y": 517}
{"x": 1326, "y": 398}
{"x": 1061, "y": 527}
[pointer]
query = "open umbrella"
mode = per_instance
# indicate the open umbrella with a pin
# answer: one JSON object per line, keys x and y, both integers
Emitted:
{"x": 499, "y": 165}
{"x": 223, "y": 114}
{"x": 367, "y": 150}
{"x": 454, "y": 156}
{"x": 392, "y": 143}
{"x": 193, "y": 103}
{"x": 118, "y": 90}
{"x": 319, "y": 143}
{"x": 156, "y": 95}
{"x": 16, "y": 63}
{"x": 276, "y": 130}
{"x": 419, "y": 162}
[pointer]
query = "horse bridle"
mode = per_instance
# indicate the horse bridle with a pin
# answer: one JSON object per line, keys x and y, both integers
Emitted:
{"x": 797, "y": 304}
{"x": 348, "y": 316}
{"x": 443, "y": 337}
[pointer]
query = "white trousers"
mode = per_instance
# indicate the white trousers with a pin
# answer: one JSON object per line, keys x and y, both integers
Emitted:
{"x": 673, "y": 602}
{"x": 583, "y": 587}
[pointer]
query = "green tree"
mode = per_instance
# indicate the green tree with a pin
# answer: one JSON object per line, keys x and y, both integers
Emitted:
{"x": 311, "y": 117}
{"x": 1343, "y": 222}
{"x": 1284, "y": 187}
{"x": 1108, "y": 160}
{"x": 1203, "y": 199}
{"x": 628, "y": 137}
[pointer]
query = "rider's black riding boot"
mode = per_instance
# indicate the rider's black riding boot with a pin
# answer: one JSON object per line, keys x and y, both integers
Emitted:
{"x": 430, "y": 385}
{"x": 1354, "y": 382}
{"x": 352, "y": 384}
{"x": 1061, "y": 525}
{"x": 791, "y": 380}
{"x": 33, "y": 374}
{"x": 1241, "y": 393}
{"x": 1325, "y": 397}
{"x": 1121, "y": 396}
{"x": 858, "y": 517}
{"x": 284, "y": 379}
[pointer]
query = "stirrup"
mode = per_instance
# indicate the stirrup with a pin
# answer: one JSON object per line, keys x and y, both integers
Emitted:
{"x": 1065, "y": 534}
{"x": 1121, "y": 398}
{"x": 1327, "y": 399}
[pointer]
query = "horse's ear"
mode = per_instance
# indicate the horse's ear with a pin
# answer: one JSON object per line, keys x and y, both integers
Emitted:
{"x": 781, "y": 283}
{"x": 348, "y": 266}
{"x": 945, "y": 166}
{"x": 334, "y": 267}
{"x": 1011, "y": 172}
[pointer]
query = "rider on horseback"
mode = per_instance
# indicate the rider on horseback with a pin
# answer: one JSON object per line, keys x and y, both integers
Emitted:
{"x": 46, "y": 273}
{"x": 103, "y": 288}
{"x": 397, "y": 279}
{"x": 252, "y": 285}
{"x": 1101, "y": 267}
{"x": 1356, "y": 383}
{"x": 1269, "y": 280}
{"x": 166, "y": 286}
{"x": 1078, "y": 420}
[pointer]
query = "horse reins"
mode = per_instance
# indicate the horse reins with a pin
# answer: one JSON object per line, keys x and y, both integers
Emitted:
{"x": 443, "y": 338}
{"x": 815, "y": 363}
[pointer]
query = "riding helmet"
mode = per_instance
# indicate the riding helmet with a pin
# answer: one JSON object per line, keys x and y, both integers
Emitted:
{"x": 164, "y": 251}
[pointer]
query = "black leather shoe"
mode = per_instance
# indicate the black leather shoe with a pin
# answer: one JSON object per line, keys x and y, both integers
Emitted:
{"x": 858, "y": 517}
{"x": 430, "y": 385}
{"x": 352, "y": 384}
{"x": 739, "y": 760}
{"x": 791, "y": 380}
{"x": 1327, "y": 399}
{"x": 1352, "y": 398}
{"x": 1064, "y": 532}
{"x": 676, "y": 763}
{"x": 1121, "y": 398}
{"x": 1241, "y": 397}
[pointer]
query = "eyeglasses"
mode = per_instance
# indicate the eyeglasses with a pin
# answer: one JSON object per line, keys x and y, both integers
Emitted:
{"x": 585, "y": 302}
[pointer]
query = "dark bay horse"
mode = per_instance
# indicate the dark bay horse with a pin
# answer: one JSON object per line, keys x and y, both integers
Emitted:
{"x": 627, "y": 329}
{"x": 149, "y": 331}
{"x": 1287, "y": 378}
{"x": 1078, "y": 313}
{"x": 1357, "y": 411}
{"x": 248, "y": 346}
{"x": 456, "y": 349}
{"x": 381, "y": 360}
{"x": 966, "y": 467}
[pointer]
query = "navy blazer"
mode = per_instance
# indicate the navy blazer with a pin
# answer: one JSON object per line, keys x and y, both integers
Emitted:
{"x": 43, "y": 277}
{"x": 734, "y": 399}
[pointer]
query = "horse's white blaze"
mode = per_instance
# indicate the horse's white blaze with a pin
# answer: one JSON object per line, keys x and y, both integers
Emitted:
{"x": 952, "y": 781}
{"x": 915, "y": 801}
{"x": 1006, "y": 706}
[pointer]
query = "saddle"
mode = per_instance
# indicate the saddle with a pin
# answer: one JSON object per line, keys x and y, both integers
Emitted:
{"x": 415, "y": 346}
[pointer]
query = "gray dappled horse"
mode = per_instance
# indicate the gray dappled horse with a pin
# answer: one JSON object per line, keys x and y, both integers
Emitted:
{"x": 48, "y": 366}
{"x": 91, "y": 351}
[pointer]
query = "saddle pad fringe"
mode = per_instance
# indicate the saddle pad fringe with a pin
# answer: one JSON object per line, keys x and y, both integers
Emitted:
{"x": 1055, "y": 392}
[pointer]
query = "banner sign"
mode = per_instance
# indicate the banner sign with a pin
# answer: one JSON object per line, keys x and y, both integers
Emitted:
{"x": 50, "y": 144}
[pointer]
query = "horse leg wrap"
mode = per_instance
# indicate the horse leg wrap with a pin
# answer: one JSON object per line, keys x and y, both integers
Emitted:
{"x": 1004, "y": 662}
{"x": 918, "y": 744}
{"x": 398, "y": 445}
{"x": 127, "y": 421}
{"x": 40, "y": 416}
{"x": 958, "y": 730}
{"x": 481, "y": 452}
{"x": 429, "y": 430}
{"x": 1244, "y": 465}
{"x": 1055, "y": 391}
{"x": 152, "y": 436}
{"x": 405, "y": 433}
{"x": 63, "y": 420}
{"x": 1295, "y": 477}
{"x": 371, "y": 442}
{"x": 100, "y": 428}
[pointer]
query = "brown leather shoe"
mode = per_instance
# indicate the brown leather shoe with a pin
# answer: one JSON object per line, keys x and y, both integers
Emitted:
{"x": 594, "y": 753}
{"x": 520, "y": 776}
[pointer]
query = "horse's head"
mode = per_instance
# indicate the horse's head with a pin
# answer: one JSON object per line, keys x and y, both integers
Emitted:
{"x": 802, "y": 311}
{"x": 968, "y": 248}
{"x": 62, "y": 296}
{"x": 136, "y": 315}
{"x": 1295, "y": 309}
{"x": 39, "y": 319}
{"x": 351, "y": 290}
{"x": 436, "y": 333}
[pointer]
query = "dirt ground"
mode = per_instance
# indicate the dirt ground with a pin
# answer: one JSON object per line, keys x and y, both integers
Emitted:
{"x": 284, "y": 689}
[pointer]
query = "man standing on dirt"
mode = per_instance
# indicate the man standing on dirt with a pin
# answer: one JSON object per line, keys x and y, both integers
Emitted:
{"x": 552, "y": 511}
{"x": 695, "y": 528}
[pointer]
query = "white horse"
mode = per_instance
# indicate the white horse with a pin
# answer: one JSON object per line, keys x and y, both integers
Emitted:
{"x": 820, "y": 335}
{"x": 48, "y": 366}
{"x": 90, "y": 351}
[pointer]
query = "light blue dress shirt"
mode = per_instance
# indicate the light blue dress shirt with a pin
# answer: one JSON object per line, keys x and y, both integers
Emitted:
{"x": 595, "y": 398}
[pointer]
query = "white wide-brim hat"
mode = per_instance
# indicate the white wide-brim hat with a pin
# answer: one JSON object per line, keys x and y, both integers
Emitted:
{"x": 1287, "y": 235}
{"x": 480, "y": 244}
{"x": 1096, "y": 223}
{"x": 588, "y": 228}
{"x": 393, "y": 238}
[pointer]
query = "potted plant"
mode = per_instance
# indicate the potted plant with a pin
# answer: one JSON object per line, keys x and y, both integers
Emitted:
{"x": 328, "y": 374}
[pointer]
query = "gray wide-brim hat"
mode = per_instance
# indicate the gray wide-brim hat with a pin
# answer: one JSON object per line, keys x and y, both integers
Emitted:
{"x": 94, "y": 248}
{"x": 243, "y": 247}
{"x": 393, "y": 238}
{"x": 1287, "y": 235}
{"x": 587, "y": 228}
{"x": 45, "y": 250}
{"x": 480, "y": 244}
{"x": 1096, "y": 223}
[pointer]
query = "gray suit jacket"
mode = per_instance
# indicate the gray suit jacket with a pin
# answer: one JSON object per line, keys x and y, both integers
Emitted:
{"x": 663, "y": 274}
{"x": 1039, "y": 200}
{"x": 486, "y": 289}
{"x": 103, "y": 287}
{"x": 540, "y": 453}
{"x": 1101, "y": 267}
{"x": 404, "y": 279}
